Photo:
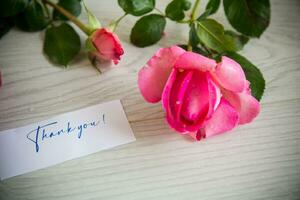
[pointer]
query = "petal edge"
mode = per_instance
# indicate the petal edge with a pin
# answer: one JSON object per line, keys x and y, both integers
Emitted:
{"x": 154, "y": 75}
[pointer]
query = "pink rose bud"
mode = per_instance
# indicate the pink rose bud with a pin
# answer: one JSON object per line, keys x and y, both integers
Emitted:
{"x": 201, "y": 98}
{"x": 107, "y": 44}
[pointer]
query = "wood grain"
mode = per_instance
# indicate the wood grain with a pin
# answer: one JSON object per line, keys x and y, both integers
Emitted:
{"x": 256, "y": 161}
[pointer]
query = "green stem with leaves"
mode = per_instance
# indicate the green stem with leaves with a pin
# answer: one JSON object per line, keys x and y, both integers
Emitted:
{"x": 194, "y": 10}
{"x": 193, "y": 16}
{"x": 71, "y": 17}
{"x": 160, "y": 12}
{"x": 114, "y": 25}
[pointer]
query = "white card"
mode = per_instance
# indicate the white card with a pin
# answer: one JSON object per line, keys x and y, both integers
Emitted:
{"x": 64, "y": 137}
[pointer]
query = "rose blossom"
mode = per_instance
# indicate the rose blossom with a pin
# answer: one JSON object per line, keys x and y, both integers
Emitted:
{"x": 201, "y": 98}
{"x": 107, "y": 44}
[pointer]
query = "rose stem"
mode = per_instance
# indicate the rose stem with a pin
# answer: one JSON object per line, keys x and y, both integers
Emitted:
{"x": 160, "y": 12}
{"x": 194, "y": 11}
{"x": 193, "y": 15}
{"x": 71, "y": 17}
{"x": 114, "y": 25}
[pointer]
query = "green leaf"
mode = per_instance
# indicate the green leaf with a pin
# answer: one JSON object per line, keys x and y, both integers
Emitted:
{"x": 175, "y": 9}
{"x": 211, "y": 33}
{"x": 148, "y": 30}
{"x": 12, "y": 7}
{"x": 5, "y": 25}
{"x": 73, "y": 6}
{"x": 211, "y": 8}
{"x": 93, "y": 21}
{"x": 193, "y": 37}
{"x": 32, "y": 18}
{"x": 240, "y": 40}
{"x": 253, "y": 74}
{"x": 61, "y": 44}
{"x": 249, "y": 17}
{"x": 137, "y": 7}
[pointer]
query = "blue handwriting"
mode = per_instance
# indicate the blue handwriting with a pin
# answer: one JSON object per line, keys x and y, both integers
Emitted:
{"x": 42, "y": 134}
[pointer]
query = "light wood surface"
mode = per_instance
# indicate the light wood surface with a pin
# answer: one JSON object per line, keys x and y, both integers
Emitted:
{"x": 256, "y": 161}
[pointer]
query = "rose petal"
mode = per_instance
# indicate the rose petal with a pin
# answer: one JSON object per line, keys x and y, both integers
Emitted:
{"x": 230, "y": 75}
{"x": 173, "y": 95}
{"x": 197, "y": 135}
{"x": 196, "y": 102}
{"x": 190, "y": 60}
{"x": 178, "y": 91}
{"x": 214, "y": 96}
{"x": 167, "y": 89}
{"x": 108, "y": 45}
{"x": 175, "y": 100}
{"x": 245, "y": 104}
{"x": 153, "y": 77}
{"x": 189, "y": 98}
{"x": 225, "y": 118}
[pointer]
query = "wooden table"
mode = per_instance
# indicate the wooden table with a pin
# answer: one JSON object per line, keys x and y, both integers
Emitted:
{"x": 256, "y": 161}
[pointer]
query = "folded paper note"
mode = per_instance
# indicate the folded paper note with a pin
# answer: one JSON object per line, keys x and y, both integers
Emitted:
{"x": 64, "y": 137}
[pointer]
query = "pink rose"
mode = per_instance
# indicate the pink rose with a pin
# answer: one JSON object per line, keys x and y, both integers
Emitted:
{"x": 107, "y": 44}
{"x": 201, "y": 98}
